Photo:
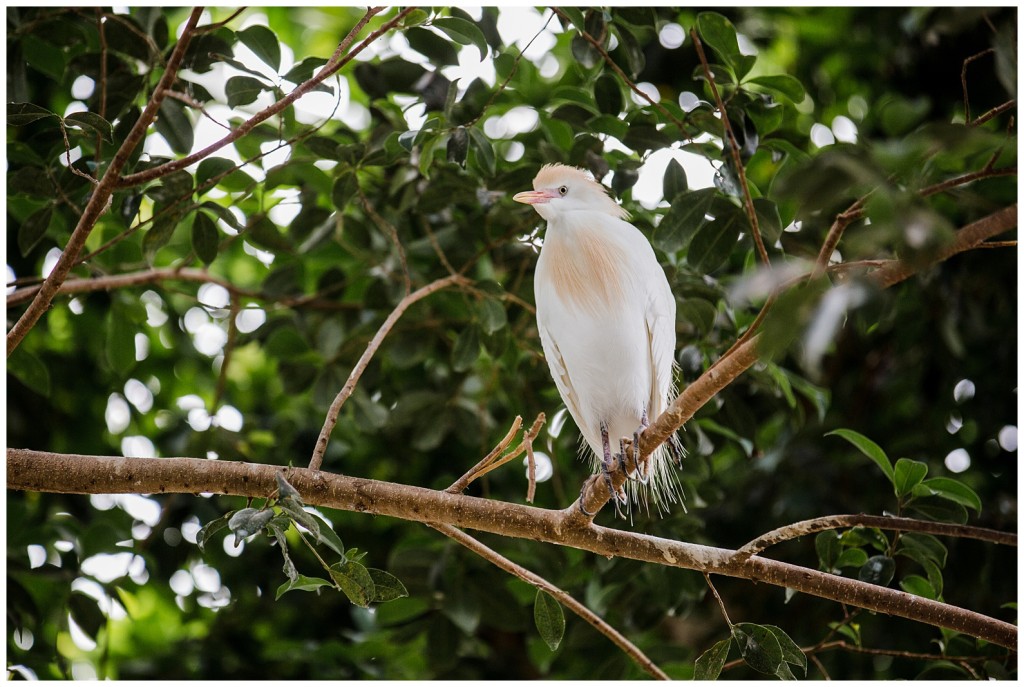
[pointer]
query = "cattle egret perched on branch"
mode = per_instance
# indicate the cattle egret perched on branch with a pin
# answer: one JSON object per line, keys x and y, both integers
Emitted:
{"x": 606, "y": 318}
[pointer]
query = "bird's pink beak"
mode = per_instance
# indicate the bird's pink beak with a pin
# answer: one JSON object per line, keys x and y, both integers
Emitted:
{"x": 534, "y": 197}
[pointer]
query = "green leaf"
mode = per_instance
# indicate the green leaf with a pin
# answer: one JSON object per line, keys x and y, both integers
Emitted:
{"x": 265, "y": 234}
{"x": 877, "y": 570}
{"x": 918, "y": 586}
{"x": 285, "y": 343}
{"x": 211, "y": 167}
{"x": 386, "y": 587}
{"x": 869, "y": 449}
{"x": 302, "y": 583}
{"x": 759, "y": 647}
{"x": 355, "y": 582}
{"x": 466, "y": 349}
{"x": 491, "y": 315}
{"x": 709, "y": 664}
{"x": 485, "y": 158}
{"x": 683, "y": 219}
{"x": 674, "y": 181}
{"x": 783, "y": 84}
{"x": 211, "y": 528}
{"x": 43, "y": 56}
{"x": 714, "y": 242}
{"x": 205, "y": 237}
{"x": 791, "y": 652}
{"x": 768, "y": 220}
{"x": 949, "y": 489}
{"x": 304, "y": 70}
{"x": 828, "y": 547}
{"x": 242, "y": 90}
{"x": 345, "y": 186}
{"x": 462, "y": 32}
{"x": 549, "y": 619}
{"x": 90, "y": 121}
{"x": 174, "y": 124}
{"x": 608, "y": 96}
{"x": 33, "y": 229}
{"x": 29, "y": 370}
{"x": 295, "y": 511}
{"x": 908, "y": 474}
{"x": 851, "y": 558}
{"x": 927, "y": 544}
{"x": 263, "y": 43}
{"x": 20, "y": 114}
{"x": 720, "y": 34}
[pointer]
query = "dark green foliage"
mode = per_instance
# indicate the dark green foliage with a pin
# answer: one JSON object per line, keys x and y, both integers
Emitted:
{"x": 307, "y": 228}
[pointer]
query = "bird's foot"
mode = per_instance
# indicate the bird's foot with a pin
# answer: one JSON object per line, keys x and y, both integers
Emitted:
{"x": 618, "y": 496}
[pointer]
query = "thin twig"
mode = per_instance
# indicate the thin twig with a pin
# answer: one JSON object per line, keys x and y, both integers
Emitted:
{"x": 721, "y": 604}
{"x": 966, "y": 179}
{"x": 511, "y": 73}
{"x": 100, "y": 28}
{"x": 461, "y": 483}
{"x": 196, "y": 105}
{"x": 161, "y": 274}
{"x": 392, "y": 233}
{"x": 335, "y": 410}
{"x": 817, "y": 662}
{"x": 831, "y": 522}
{"x": 734, "y": 149}
{"x": 562, "y": 597}
{"x": 994, "y": 112}
{"x": 810, "y": 651}
{"x": 492, "y": 462}
{"x": 206, "y": 28}
{"x": 963, "y": 81}
{"x": 622, "y": 75}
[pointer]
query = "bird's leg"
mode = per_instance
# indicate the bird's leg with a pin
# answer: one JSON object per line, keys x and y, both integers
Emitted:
{"x": 644, "y": 478}
{"x": 583, "y": 491}
{"x": 608, "y": 467}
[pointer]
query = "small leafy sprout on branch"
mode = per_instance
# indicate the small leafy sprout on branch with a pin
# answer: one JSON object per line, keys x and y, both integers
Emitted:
{"x": 362, "y": 585}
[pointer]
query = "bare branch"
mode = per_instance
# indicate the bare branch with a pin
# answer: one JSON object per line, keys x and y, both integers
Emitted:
{"x": 335, "y": 410}
{"x": 563, "y": 597}
{"x": 63, "y": 473}
{"x": 459, "y": 485}
{"x": 831, "y": 522}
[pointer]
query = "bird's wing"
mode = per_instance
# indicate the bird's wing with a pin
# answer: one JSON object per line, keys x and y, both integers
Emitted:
{"x": 559, "y": 372}
{"x": 660, "y": 319}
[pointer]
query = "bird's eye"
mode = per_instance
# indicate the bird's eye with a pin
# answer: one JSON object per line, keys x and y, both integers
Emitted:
{"x": 563, "y": 190}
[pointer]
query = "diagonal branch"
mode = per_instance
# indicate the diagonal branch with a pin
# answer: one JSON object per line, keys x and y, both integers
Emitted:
{"x": 350, "y": 384}
{"x": 740, "y": 358}
{"x": 563, "y": 597}
{"x": 99, "y": 203}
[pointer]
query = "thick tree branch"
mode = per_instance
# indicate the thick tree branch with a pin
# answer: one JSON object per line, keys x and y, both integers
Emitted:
{"x": 79, "y": 474}
{"x": 99, "y": 203}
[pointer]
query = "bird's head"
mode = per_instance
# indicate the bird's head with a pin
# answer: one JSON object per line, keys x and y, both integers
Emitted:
{"x": 560, "y": 189}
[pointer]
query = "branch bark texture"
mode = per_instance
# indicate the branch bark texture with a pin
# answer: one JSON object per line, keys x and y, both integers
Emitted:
{"x": 81, "y": 474}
